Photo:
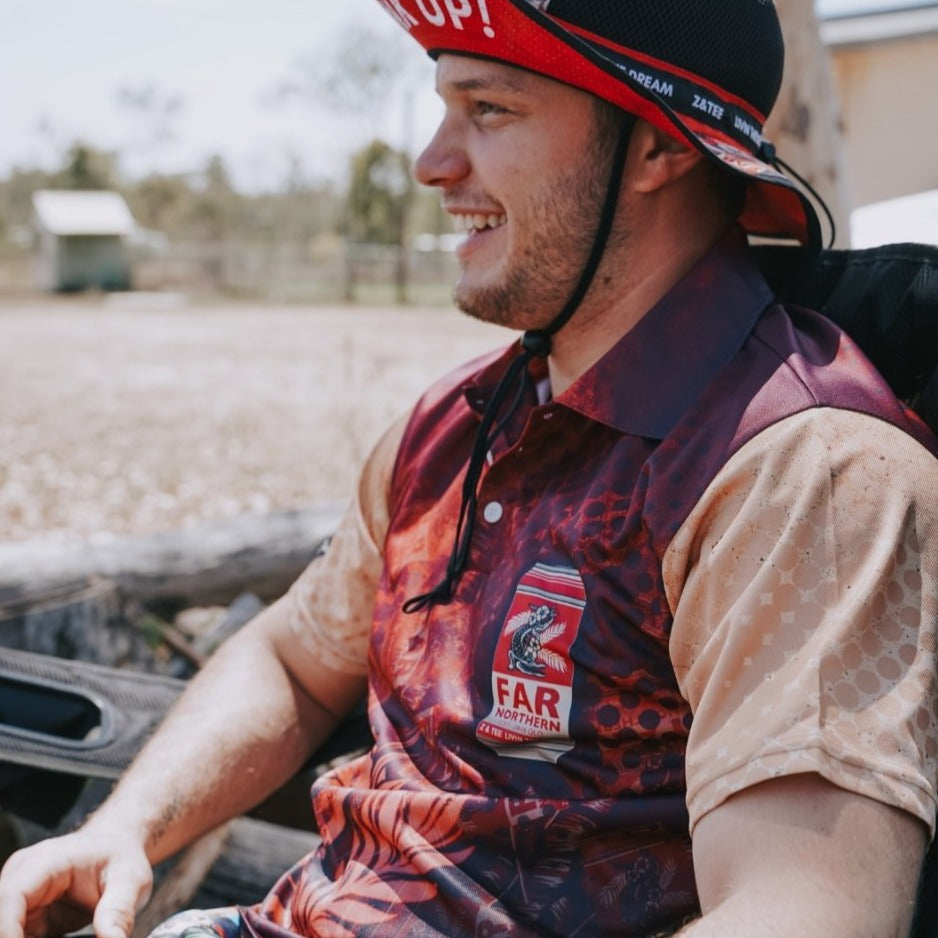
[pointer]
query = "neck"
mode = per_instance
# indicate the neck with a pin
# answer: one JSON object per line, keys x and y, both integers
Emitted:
{"x": 634, "y": 275}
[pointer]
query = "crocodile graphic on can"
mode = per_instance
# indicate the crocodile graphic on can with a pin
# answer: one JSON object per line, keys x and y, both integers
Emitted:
{"x": 532, "y": 674}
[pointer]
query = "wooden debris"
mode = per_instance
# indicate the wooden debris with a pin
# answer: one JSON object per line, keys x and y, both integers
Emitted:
{"x": 205, "y": 565}
{"x": 256, "y": 855}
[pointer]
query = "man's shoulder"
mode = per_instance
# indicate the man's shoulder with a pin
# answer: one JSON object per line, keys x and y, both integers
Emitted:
{"x": 794, "y": 364}
{"x": 811, "y": 362}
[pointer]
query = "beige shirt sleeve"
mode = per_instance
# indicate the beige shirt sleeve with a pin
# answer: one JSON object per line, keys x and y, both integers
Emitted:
{"x": 804, "y": 590}
{"x": 332, "y": 601}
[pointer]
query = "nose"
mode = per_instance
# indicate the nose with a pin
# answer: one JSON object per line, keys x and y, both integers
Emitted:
{"x": 444, "y": 161}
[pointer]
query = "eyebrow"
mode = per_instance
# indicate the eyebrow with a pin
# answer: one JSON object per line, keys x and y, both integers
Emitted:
{"x": 492, "y": 83}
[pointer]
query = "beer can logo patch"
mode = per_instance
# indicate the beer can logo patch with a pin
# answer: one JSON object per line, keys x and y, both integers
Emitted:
{"x": 532, "y": 674}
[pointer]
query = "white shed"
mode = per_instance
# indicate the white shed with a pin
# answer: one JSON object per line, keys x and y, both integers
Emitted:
{"x": 82, "y": 239}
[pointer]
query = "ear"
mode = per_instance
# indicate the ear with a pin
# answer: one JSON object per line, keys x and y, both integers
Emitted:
{"x": 658, "y": 158}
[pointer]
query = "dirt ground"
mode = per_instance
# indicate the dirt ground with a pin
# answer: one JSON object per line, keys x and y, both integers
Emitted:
{"x": 122, "y": 415}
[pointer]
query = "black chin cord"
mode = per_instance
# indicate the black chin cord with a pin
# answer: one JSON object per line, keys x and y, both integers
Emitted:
{"x": 768, "y": 153}
{"x": 535, "y": 343}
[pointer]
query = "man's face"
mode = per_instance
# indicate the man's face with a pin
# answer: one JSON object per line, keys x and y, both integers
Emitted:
{"x": 523, "y": 168}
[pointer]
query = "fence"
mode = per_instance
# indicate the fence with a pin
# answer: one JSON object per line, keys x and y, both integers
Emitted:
{"x": 289, "y": 273}
{"x": 278, "y": 272}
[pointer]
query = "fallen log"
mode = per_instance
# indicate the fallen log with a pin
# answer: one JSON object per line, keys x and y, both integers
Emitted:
{"x": 255, "y": 856}
{"x": 209, "y": 564}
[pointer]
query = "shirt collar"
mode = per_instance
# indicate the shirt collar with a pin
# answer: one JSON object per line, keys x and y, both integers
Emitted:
{"x": 655, "y": 372}
{"x": 480, "y": 387}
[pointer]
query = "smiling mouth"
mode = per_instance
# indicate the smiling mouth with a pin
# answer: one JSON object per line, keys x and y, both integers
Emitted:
{"x": 471, "y": 224}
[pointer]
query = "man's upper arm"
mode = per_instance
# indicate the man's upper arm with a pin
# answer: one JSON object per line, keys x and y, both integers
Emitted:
{"x": 805, "y": 596}
{"x": 799, "y": 856}
{"x": 321, "y": 628}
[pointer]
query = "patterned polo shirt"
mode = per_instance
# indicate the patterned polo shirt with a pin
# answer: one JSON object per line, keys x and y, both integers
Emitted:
{"x": 710, "y": 562}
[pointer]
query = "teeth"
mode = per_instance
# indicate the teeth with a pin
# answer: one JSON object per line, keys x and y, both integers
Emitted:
{"x": 479, "y": 222}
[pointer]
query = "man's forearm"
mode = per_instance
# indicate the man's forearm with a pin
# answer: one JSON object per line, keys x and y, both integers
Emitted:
{"x": 241, "y": 728}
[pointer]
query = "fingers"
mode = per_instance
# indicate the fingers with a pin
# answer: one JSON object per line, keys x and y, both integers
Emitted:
{"x": 12, "y": 913}
{"x": 27, "y": 888}
{"x": 113, "y": 921}
{"x": 53, "y": 887}
{"x": 126, "y": 889}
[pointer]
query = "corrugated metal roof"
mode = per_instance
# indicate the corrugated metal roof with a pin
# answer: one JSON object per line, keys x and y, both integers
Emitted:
{"x": 68, "y": 212}
{"x": 853, "y": 22}
{"x": 837, "y": 9}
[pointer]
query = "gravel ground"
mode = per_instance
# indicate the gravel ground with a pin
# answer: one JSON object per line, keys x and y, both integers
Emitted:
{"x": 120, "y": 417}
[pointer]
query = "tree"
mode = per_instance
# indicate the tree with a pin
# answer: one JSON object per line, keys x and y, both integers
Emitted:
{"x": 87, "y": 168}
{"x": 366, "y": 72}
{"x": 380, "y": 194}
{"x": 16, "y": 193}
{"x": 806, "y": 124}
{"x": 358, "y": 76}
{"x": 161, "y": 202}
{"x": 379, "y": 191}
{"x": 154, "y": 110}
{"x": 217, "y": 209}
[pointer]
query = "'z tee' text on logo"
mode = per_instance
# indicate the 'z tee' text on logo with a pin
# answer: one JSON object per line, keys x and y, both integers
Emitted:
{"x": 454, "y": 13}
{"x": 532, "y": 674}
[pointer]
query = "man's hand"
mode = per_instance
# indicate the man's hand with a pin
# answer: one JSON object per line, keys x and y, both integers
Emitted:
{"x": 61, "y": 884}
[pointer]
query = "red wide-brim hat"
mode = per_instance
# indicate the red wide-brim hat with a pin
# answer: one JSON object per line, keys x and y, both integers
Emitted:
{"x": 637, "y": 71}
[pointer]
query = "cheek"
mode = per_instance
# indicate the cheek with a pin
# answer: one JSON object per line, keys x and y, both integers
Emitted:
{"x": 509, "y": 165}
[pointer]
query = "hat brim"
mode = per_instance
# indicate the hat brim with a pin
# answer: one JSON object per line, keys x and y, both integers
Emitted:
{"x": 722, "y": 127}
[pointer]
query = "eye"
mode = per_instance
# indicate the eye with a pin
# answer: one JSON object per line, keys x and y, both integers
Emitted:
{"x": 484, "y": 109}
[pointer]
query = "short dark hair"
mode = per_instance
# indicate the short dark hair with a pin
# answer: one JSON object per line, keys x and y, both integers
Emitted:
{"x": 728, "y": 188}
{"x": 608, "y": 120}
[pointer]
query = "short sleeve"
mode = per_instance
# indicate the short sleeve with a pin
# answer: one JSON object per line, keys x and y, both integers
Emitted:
{"x": 804, "y": 593}
{"x": 332, "y": 601}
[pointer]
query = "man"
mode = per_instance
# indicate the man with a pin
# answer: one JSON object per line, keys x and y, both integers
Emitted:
{"x": 646, "y": 605}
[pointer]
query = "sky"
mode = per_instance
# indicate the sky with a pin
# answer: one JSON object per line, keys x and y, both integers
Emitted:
{"x": 63, "y": 62}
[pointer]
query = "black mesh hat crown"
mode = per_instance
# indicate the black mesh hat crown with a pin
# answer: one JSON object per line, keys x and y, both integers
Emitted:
{"x": 734, "y": 46}
{"x": 705, "y": 71}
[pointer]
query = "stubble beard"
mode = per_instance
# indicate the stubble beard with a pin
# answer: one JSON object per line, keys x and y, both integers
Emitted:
{"x": 560, "y": 225}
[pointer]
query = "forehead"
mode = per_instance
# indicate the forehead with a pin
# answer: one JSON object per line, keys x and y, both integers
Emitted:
{"x": 456, "y": 73}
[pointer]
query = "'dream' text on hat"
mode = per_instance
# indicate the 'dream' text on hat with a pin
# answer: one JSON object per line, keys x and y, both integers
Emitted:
{"x": 651, "y": 82}
{"x": 440, "y": 12}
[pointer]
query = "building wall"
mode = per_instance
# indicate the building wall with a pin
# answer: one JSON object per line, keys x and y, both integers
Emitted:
{"x": 888, "y": 99}
{"x": 91, "y": 261}
{"x": 47, "y": 261}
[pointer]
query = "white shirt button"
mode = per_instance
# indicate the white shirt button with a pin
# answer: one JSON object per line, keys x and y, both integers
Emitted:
{"x": 493, "y": 512}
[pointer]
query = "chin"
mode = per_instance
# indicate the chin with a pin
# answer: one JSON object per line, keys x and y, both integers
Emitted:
{"x": 515, "y": 300}
{"x": 485, "y": 303}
